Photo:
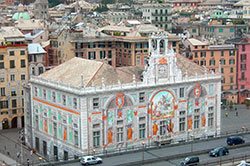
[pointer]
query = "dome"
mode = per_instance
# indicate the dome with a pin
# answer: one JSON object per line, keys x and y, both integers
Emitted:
{"x": 21, "y": 15}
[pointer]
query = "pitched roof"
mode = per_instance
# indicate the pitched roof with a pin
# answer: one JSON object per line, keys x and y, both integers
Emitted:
{"x": 189, "y": 67}
{"x": 35, "y": 48}
{"x": 82, "y": 72}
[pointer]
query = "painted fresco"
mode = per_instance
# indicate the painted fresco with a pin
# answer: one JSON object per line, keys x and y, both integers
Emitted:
{"x": 162, "y": 105}
{"x": 119, "y": 108}
{"x": 197, "y": 99}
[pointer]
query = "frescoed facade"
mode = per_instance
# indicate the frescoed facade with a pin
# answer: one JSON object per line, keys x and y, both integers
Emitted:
{"x": 79, "y": 112}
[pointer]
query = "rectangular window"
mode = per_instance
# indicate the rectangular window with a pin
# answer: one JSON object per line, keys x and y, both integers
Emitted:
{"x": 119, "y": 134}
{"x": 95, "y": 103}
{"x": 22, "y": 77}
{"x": 163, "y": 127}
{"x": 12, "y": 64}
{"x": 222, "y": 61}
{"x": 210, "y": 119}
{"x": 231, "y": 79}
{"x": 231, "y": 52}
{"x": 14, "y": 103}
{"x": 23, "y": 63}
{"x": 12, "y": 53}
{"x": 243, "y": 66}
{"x": 212, "y": 62}
{"x": 54, "y": 96}
{"x": 13, "y": 92}
{"x": 64, "y": 99}
{"x": 75, "y": 103}
{"x": 1, "y": 65}
{"x": 243, "y": 48}
{"x": 222, "y": 53}
{"x": 102, "y": 54}
{"x": 243, "y": 76}
{"x": 109, "y": 54}
{"x": 212, "y": 53}
{"x": 1, "y": 57}
{"x": 12, "y": 77}
{"x": 142, "y": 130}
{"x": 55, "y": 129}
{"x": 182, "y": 124}
{"x": 96, "y": 138}
{"x": 2, "y": 91}
{"x": 243, "y": 57}
{"x": 91, "y": 55}
{"x": 196, "y": 121}
{"x": 222, "y": 70}
{"x": 44, "y": 94}
{"x": 231, "y": 61}
{"x": 203, "y": 54}
{"x": 142, "y": 97}
{"x": 182, "y": 92}
{"x": 231, "y": 70}
{"x": 76, "y": 138}
{"x": 4, "y": 104}
{"x": 22, "y": 52}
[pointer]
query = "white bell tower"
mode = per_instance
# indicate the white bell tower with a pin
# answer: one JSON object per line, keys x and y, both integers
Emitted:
{"x": 162, "y": 65}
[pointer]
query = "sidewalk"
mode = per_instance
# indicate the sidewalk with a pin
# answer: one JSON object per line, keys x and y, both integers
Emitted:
{"x": 10, "y": 147}
{"x": 6, "y": 160}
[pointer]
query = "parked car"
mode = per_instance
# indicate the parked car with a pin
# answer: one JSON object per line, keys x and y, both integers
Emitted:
{"x": 89, "y": 160}
{"x": 243, "y": 163}
{"x": 190, "y": 161}
{"x": 235, "y": 140}
{"x": 219, "y": 151}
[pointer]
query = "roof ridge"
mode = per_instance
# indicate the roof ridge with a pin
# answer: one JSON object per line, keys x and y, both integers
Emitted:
{"x": 95, "y": 74}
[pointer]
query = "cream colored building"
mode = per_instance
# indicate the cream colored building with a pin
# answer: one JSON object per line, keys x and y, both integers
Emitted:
{"x": 13, "y": 74}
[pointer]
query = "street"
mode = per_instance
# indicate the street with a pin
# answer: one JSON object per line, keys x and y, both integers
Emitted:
{"x": 172, "y": 151}
{"x": 230, "y": 123}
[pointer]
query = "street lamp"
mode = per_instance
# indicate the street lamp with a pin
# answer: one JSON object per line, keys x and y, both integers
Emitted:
{"x": 143, "y": 143}
{"x": 191, "y": 137}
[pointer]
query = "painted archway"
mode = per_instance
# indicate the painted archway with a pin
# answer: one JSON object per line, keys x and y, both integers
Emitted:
{"x": 119, "y": 109}
{"x": 162, "y": 105}
{"x": 14, "y": 122}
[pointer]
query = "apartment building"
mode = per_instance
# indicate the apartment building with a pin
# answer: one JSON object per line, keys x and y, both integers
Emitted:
{"x": 243, "y": 69}
{"x": 159, "y": 15}
{"x": 217, "y": 58}
{"x": 13, "y": 74}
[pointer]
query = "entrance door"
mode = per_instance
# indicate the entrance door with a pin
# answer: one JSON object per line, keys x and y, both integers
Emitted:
{"x": 5, "y": 124}
{"x": 14, "y": 123}
{"x": 56, "y": 152}
{"x": 45, "y": 148}
{"x": 65, "y": 155}
{"x": 37, "y": 144}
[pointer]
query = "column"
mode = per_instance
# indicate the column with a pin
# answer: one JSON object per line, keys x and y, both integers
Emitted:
{"x": 1, "y": 125}
{"x": 19, "y": 122}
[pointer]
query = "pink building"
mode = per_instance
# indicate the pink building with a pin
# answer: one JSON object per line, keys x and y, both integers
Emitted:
{"x": 243, "y": 68}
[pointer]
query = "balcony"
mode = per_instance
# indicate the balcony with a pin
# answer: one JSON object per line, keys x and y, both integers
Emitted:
{"x": 160, "y": 14}
{"x": 160, "y": 22}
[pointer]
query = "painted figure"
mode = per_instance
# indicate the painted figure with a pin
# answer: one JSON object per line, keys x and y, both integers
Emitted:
{"x": 130, "y": 133}
{"x": 110, "y": 136}
{"x": 155, "y": 129}
{"x": 203, "y": 120}
{"x": 190, "y": 123}
{"x": 65, "y": 134}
